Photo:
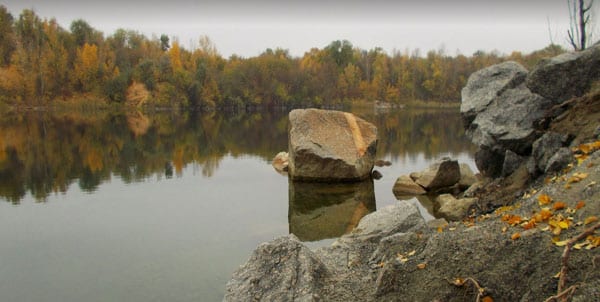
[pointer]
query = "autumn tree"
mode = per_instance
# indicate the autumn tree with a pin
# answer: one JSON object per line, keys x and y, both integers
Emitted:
{"x": 7, "y": 37}
{"x": 86, "y": 69}
{"x": 84, "y": 33}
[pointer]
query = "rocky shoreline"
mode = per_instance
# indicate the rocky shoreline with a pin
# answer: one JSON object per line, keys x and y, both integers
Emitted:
{"x": 539, "y": 139}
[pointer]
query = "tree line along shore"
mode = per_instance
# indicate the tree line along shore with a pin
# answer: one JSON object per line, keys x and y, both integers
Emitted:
{"x": 44, "y": 64}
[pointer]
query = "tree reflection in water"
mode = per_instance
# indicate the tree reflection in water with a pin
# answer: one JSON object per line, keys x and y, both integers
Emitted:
{"x": 45, "y": 152}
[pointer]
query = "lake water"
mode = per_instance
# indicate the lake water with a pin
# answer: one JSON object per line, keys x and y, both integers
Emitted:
{"x": 164, "y": 206}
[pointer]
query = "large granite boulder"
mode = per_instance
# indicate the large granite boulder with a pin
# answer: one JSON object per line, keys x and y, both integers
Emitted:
{"x": 486, "y": 84}
{"x": 508, "y": 123}
{"x": 567, "y": 75}
{"x": 281, "y": 270}
{"x": 501, "y": 114}
{"x": 330, "y": 146}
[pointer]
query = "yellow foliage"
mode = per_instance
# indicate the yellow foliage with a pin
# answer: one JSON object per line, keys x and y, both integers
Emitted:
{"x": 86, "y": 67}
{"x": 175, "y": 56}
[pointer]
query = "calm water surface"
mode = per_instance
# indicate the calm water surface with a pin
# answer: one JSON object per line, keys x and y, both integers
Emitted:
{"x": 165, "y": 206}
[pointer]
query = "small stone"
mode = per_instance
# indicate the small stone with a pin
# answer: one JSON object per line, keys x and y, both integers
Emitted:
{"x": 454, "y": 209}
{"x": 280, "y": 162}
{"x": 405, "y": 186}
{"x": 467, "y": 177}
{"x": 444, "y": 173}
{"x": 559, "y": 160}
{"x": 382, "y": 163}
{"x": 512, "y": 161}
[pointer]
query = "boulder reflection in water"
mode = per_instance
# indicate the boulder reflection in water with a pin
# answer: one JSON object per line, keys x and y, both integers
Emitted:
{"x": 319, "y": 210}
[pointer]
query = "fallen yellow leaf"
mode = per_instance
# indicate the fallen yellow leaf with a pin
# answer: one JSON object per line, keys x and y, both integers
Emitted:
{"x": 590, "y": 219}
{"x": 411, "y": 253}
{"x": 561, "y": 243}
{"x": 515, "y": 236}
{"x": 544, "y": 199}
{"x": 577, "y": 177}
{"x": 421, "y": 265}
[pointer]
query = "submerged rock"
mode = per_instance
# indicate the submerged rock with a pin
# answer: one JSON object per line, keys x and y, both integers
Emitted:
{"x": 281, "y": 270}
{"x": 330, "y": 146}
{"x": 281, "y": 162}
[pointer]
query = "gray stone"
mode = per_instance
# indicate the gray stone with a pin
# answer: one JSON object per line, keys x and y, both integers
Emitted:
{"x": 489, "y": 162}
{"x": 545, "y": 147}
{"x": 567, "y": 75}
{"x": 559, "y": 160}
{"x": 281, "y": 270}
{"x": 443, "y": 173}
{"x": 453, "y": 209}
{"x": 467, "y": 177}
{"x": 330, "y": 146}
{"x": 406, "y": 186}
{"x": 400, "y": 217}
{"x": 512, "y": 161}
{"x": 486, "y": 84}
{"x": 280, "y": 162}
{"x": 508, "y": 123}
{"x": 472, "y": 190}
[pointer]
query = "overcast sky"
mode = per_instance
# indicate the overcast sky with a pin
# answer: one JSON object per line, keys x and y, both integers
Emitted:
{"x": 247, "y": 28}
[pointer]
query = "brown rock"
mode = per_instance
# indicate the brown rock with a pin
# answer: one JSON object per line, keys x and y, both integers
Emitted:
{"x": 330, "y": 146}
{"x": 444, "y": 173}
{"x": 281, "y": 162}
{"x": 406, "y": 186}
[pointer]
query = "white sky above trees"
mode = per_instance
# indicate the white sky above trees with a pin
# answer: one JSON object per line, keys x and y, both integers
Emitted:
{"x": 247, "y": 28}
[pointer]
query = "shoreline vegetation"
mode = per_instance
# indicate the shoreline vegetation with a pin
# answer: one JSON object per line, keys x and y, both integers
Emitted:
{"x": 43, "y": 65}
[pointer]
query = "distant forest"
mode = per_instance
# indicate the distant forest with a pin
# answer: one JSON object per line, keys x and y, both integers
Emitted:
{"x": 43, "y": 64}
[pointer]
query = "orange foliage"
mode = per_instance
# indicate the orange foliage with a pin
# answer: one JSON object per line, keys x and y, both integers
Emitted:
{"x": 559, "y": 205}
